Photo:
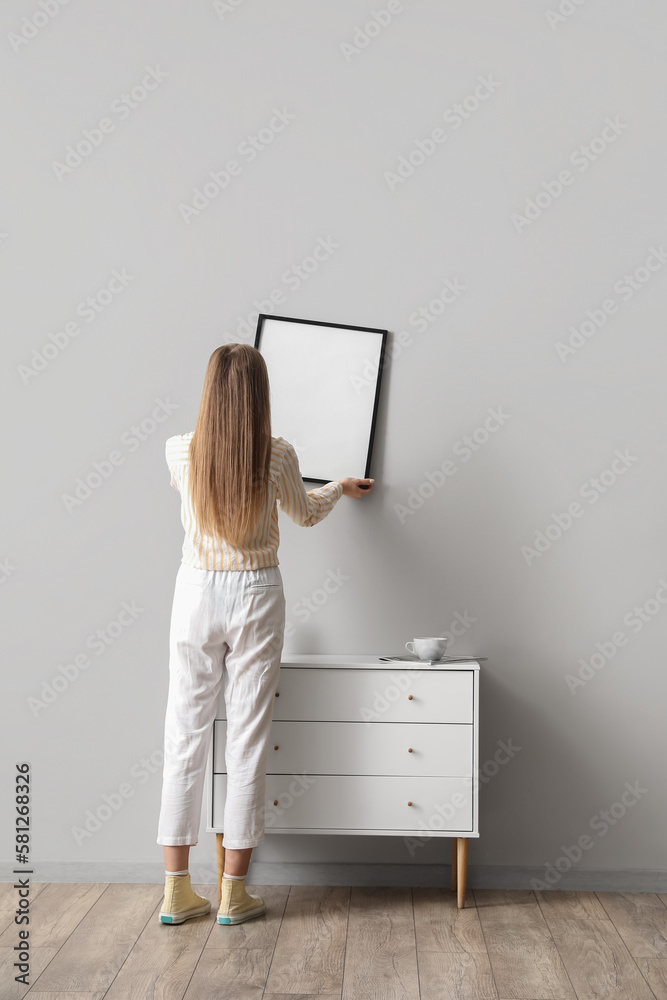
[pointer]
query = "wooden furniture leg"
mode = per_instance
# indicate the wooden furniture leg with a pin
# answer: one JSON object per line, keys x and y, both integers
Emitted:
{"x": 454, "y": 864}
{"x": 461, "y": 869}
{"x": 220, "y": 858}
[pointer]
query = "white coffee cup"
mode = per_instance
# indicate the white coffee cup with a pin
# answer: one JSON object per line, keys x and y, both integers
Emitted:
{"x": 427, "y": 647}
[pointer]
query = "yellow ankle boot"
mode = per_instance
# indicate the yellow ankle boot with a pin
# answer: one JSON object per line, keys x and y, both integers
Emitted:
{"x": 236, "y": 904}
{"x": 180, "y": 901}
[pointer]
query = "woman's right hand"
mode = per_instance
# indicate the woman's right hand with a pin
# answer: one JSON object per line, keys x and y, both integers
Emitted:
{"x": 351, "y": 486}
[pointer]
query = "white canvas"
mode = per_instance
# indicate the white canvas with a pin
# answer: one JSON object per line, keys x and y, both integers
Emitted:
{"x": 323, "y": 386}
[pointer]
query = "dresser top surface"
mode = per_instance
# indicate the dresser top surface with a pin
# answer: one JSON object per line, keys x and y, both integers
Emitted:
{"x": 347, "y": 660}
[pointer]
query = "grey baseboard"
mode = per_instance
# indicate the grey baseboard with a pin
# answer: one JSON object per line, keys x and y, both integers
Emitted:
{"x": 277, "y": 873}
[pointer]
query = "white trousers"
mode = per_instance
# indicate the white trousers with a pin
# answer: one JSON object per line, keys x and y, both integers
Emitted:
{"x": 226, "y": 625}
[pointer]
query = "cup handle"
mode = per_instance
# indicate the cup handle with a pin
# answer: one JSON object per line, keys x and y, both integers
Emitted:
{"x": 410, "y": 646}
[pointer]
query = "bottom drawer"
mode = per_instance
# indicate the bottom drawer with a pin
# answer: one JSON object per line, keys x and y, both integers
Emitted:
{"x": 359, "y": 803}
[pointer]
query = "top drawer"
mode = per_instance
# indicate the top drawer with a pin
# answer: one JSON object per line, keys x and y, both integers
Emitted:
{"x": 336, "y": 694}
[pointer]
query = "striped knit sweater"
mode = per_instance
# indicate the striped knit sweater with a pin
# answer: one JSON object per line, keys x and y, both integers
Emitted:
{"x": 285, "y": 485}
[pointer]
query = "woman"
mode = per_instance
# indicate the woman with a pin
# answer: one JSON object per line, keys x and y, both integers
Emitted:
{"x": 228, "y": 619}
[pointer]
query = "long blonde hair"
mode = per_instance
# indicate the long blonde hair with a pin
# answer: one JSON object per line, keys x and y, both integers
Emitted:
{"x": 230, "y": 451}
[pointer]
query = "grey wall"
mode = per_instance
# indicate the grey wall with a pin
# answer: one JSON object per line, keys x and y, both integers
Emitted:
{"x": 417, "y": 558}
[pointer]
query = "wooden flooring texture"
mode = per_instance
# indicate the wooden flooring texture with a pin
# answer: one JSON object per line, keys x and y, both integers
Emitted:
{"x": 90, "y": 941}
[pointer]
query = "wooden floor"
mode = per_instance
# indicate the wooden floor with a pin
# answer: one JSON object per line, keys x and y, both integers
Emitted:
{"x": 95, "y": 940}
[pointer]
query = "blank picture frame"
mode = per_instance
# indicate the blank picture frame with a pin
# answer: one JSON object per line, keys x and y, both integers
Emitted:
{"x": 325, "y": 385}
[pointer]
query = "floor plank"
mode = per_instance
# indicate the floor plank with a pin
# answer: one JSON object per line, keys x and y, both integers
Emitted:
{"x": 97, "y": 995}
{"x": 9, "y": 899}
{"x": 641, "y": 920}
{"x": 567, "y": 903}
{"x": 96, "y": 949}
{"x": 39, "y": 960}
{"x": 654, "y": 971}
{"x": 233, "y": 974}
{"x": 524, "y": 959}
{"x": 310, "y": 949}
{"x": 455, "y": 976}
{"x": 381, "y": 954}
{"x": 441, "y": 926}
{"x": 56, "y": 911}
{"x": 451, "y": 954}
{"x": 165, "y": 956}
{"x": 598, "y": 963}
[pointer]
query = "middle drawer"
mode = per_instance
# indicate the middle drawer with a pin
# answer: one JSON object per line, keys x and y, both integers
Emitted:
{"x": 401, "y": 748}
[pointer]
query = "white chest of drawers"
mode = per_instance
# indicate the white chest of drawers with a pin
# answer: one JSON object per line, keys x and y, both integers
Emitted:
{"x": 359, "y": 746}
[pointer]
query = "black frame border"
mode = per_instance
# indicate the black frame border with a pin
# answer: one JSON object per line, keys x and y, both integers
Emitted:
{"x": 340, "y": 326}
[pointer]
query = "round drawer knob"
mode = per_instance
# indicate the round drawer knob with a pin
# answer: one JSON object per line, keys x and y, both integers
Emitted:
{"x": 277, "y": 694}
{"x": 409, "y": 803}
{"x": 409, "y": 697}
{"x": 275, "y": 747}
{"x": 409, "y": 749}
{"x": 275, "y": 802}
